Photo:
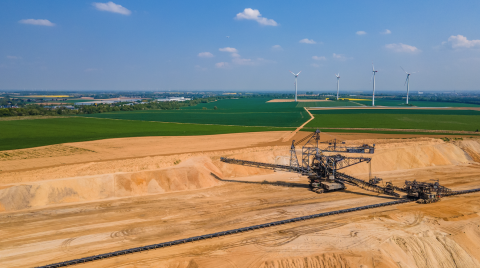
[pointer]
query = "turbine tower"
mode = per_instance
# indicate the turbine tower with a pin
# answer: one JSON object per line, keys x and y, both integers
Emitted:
{"x": 338, "y": 82}
{"x": 407, "y": 81}
{"x": 373, "y": 96}
{"x": 296, "y": 75}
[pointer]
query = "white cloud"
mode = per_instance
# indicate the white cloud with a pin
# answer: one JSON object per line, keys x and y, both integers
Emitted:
{"x": 205, "y": 55}
{"x": 307, "y": 41}
{"x": 460, "y": 41}
{"x": 361, "y": 32}
{"x": 340, "y": 57}
{"x": 237, "y": 59}
{"x": 315, "y": 65}
{"x": 402, "y": 48}
{"x": 277, "y": 48}
{"x": 13, "y": 57}
{"x": 112, "y": 7}
{"x": 241, "y": 61}
{"x": 37, "y": 22}
{"x": 221, "y": 64}
{"x": 319, "y": 58}
{"x": 254, "y": 14}
{"x": 228, "y": 49}
{"x": 387, "y": 31}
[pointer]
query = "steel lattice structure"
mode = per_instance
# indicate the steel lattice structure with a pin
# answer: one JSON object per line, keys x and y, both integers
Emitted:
{"x": 322, "y": 168}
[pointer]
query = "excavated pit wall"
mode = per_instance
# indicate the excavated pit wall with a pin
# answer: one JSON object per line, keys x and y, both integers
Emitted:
{"x": 195, "y": 173}
{"x": 192, "y": 175}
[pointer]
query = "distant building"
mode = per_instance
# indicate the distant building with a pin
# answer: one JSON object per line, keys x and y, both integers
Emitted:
{"x": 69, "y": 107}
{"x": 420, "y": 93}
{"x": 108, "y": 101}
{"x": 174, "y": 99}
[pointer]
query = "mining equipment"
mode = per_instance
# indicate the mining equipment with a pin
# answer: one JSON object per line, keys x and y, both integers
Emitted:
{"x": 423, "y": 192}
{"x": 322, "y": 166}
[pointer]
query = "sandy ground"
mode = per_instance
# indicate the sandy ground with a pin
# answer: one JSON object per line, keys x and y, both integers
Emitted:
{"x": 73, "y": 200}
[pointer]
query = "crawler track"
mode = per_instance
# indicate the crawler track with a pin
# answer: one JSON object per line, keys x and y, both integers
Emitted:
{"x": 234, "y": 231}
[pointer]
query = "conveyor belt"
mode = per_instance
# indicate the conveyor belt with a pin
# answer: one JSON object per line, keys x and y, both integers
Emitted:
{"x": 260, "y": 164}
{"x": 365, "y": 185}
{"x": 234, "y": 231}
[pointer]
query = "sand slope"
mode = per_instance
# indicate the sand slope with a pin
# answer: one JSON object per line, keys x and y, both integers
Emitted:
{"x": 193, "y": 174}
{"x": 35, "y": 190}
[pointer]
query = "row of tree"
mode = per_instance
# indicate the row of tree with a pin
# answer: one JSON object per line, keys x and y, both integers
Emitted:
{"x": 35, "y": 109}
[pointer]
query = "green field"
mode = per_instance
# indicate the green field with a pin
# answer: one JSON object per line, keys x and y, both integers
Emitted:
{"x": 17, "y": 134}
{"x": 230, "y": 116}
{"x": 457, "y": 120}
{"x": 238, "y": 112}
{"x": 380, "y": 102}
{"x": 327, "y": 104}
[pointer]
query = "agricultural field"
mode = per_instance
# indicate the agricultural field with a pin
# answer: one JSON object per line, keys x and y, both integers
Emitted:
{"x": 238, "y": 112}
{"x": 457, "y": 120}
{"x": 328, "y": 104}
{"x": 17, "y": 134}
{"x": 380, "y": 102}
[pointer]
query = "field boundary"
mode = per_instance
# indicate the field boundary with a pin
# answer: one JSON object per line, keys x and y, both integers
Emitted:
{"x": 364, "y": 107}
{"x": 404, "y": 130}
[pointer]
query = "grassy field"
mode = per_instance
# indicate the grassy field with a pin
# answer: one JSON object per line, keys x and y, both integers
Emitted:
{"x": 238, "y": 112}
{"x": 327, "y": 104}
{"x": 17, "y": 134}
{"x": 380, "y": 102}
{"x": 458, "y": 120}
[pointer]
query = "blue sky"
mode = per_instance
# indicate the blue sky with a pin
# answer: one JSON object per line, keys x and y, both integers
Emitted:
{"x": 183, "y": 45}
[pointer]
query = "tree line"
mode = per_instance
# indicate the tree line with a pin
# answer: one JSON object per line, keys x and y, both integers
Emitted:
{"x": 35, "y": 109}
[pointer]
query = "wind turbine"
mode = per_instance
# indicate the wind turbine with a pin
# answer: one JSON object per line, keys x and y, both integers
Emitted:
{"x": 338, "y": 81}
{"x": 407, "y": 81}
{"x": 296, "y": 75}
{"x": 373, "y": 96}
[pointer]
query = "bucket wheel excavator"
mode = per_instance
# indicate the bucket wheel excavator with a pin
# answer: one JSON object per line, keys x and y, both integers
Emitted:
{"x": 323, "y": 166}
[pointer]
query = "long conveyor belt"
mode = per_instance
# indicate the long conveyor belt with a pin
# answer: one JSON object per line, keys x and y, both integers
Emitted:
{"x": 234, "y": 231}
{"x": 259, "y": 164}
{"x": 365, "y": 185}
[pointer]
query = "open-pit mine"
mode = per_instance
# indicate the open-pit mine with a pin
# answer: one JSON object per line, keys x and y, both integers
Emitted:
{"x": 243, "y": 200}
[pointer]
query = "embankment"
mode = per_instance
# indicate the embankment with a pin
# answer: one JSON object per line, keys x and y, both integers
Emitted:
{"x": 193, "y": 174}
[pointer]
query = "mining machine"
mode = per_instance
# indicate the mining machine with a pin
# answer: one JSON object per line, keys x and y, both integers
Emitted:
{"x": 322, "y": 165}
{"x": 423, "y": 192}
{"x": 322, "y": 168}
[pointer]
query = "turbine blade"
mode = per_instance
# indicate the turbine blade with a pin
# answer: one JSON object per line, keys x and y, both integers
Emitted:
{"x": 292, "y": 72}
{"x": 299, "y": 72}
{"x": 403, "y": 69}
{"x": 405, "y": 81}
